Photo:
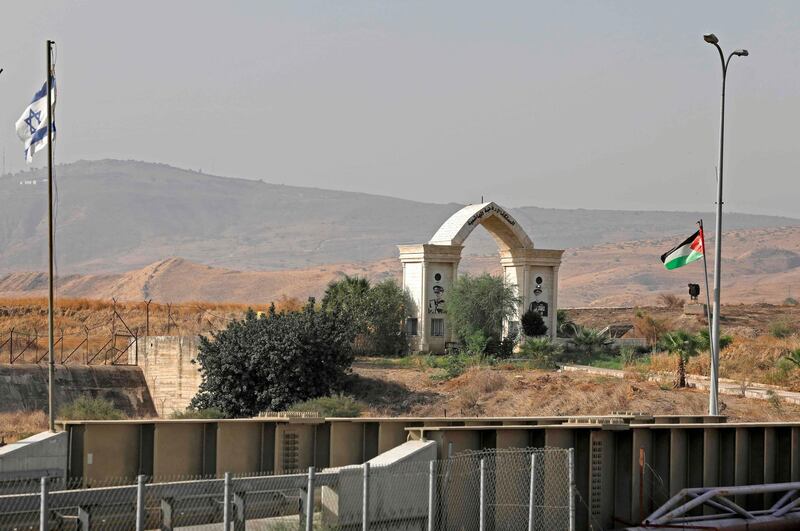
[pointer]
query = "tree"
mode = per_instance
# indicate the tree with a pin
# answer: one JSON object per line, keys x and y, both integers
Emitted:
{"x": 685, "y": 345}
{"x": 270, "y": 362}
{"x": 386, "y": 316}
{"x": 376, "y": 313}
{"x": 533, "y": 324}
{"x": 480, "y": 304}
{"x": 349, "y": 298}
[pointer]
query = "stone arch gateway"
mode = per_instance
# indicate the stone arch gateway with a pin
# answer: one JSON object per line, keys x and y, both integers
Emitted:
{"x": 430, "y": 268}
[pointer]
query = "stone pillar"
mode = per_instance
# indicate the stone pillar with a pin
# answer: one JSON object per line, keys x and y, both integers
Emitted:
{"x": 535, "y": 274}
{"x": 428, "y": 273}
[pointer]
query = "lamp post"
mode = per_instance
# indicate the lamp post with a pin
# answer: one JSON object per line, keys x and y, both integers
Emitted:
{"x": 713, "y": 408}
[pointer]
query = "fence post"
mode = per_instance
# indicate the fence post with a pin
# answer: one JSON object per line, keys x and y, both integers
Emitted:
{"x": 482, "y": 525}
{"x": 226, "y": 503}
{"x": 310, "y": 499}
{"x": 531, "y": 494}
{"x": 44, "y": 511}
{"x": 571, "y": 461}
{"x": 432, "y": 495}
{"x": 365, "y": 500}
{"x": 140, "y": 502}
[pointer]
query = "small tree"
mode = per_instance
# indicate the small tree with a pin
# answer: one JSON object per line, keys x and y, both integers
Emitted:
{"x": 533, "y": 324}
{"x": 385, "y": 318}
{"x": 480, "y": 304}
{"x": 270, "y": 362}
{"x": 685, "y": 345}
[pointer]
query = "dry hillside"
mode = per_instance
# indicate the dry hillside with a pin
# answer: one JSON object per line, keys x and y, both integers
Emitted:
{"x": 761, "y": 265}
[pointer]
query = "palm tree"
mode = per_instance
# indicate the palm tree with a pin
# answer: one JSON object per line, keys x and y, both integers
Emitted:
{"x": 685, "y": 345}
{"x": 590, "y": 342}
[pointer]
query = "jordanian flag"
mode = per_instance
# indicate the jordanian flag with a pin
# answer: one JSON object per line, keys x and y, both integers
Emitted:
{"x": 690, "y": 250}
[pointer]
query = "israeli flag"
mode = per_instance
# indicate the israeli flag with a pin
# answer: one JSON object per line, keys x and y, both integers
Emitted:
{"x": 32, "y": 125}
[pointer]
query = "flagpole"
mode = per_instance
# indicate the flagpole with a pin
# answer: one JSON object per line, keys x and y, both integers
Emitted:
{"x": 712, "y": 391}
{"x": 51, "y": 346}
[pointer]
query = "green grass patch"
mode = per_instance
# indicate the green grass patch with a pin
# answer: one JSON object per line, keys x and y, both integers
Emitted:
{"x": 331, "y": 406}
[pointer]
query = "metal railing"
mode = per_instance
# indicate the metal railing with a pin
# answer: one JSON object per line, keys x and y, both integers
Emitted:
{"x": 716, "y": 500}
{"x": 525, "y": 489}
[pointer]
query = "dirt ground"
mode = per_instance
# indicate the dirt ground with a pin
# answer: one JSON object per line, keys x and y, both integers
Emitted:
{"x": 497, "y": 392}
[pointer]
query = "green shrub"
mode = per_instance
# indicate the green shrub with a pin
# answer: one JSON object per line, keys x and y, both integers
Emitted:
{"x": 476, "y": 343}
{"x": 542, "y": 351}
{"x": 790, "y": 301}
{"x": 533, "y": 324}
{"x": 705, "y": 342}
{"x": 480, "y": 303}
{"x": 781, "y": 329}
{"x": 88, "y": 408}
{"x": 588, "y": 342}
{"x": 330, "y": 406}
{"x": 268, "y": 363}
{"x": 189, "y": 413}
{"x": 499, "y": 349}
{"x": 566, "y": 326}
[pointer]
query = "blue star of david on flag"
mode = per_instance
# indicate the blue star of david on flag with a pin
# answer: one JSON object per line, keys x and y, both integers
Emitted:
{"x": 31, "y": 117}
{"x": 32, "y": 125}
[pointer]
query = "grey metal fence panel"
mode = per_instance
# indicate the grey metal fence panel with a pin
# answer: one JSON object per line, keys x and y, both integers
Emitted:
{"x": 409, "y": 495}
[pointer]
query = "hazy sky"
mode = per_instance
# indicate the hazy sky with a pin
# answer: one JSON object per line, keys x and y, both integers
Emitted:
{"x": 556, "y": 104}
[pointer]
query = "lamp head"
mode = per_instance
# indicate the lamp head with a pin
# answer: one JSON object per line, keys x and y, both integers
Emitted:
{"x": 710, "y": 38}
{"x": 741, "y": 53}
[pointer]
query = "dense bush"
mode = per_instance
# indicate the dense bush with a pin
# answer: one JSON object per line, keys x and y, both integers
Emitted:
{"x": 542, "y": 351}
{"x": 376, "y": 313}
{"x": 330, "y": 406}
{"x": 273, "y": 361}
{"x": 88, "y": 408}
{"x": 566, "y": 326}
{"x": 480, "y": 304}
{"x": 588, "y": 342}
{"x": 533, "y": 324}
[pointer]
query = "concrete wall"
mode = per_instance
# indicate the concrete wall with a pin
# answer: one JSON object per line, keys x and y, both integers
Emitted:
{"x": 43, "y": 454}
{"x": 171, "y": 376}
{"x": 24, "y": 386}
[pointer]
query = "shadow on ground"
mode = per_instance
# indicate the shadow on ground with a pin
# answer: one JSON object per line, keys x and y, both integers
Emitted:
{"x": 386, "y": 397}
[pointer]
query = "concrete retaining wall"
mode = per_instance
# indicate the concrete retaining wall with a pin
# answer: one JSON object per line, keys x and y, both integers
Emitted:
{"x": 44, "y": 454}
{"x": 24, "y": 386}
{"x": 168, "y": 369}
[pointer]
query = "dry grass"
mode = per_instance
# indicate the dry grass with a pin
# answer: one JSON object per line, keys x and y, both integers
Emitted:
{"x": 671, "y": 301}
{"x": 79, "y": 322}
{"x": 749, "y": 360}
{"x": 21, "y": 424}
{"x": 539, "y": 393}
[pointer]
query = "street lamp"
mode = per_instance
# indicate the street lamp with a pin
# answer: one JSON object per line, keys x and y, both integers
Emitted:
{"x": 713, "y": 408}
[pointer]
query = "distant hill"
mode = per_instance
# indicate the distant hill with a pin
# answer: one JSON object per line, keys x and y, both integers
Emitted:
{"x": 761, "y": 265}
{"x": 117, "y": 216}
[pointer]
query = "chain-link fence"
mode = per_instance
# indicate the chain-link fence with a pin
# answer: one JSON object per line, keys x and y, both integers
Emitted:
{"x": 521, "y": 489}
